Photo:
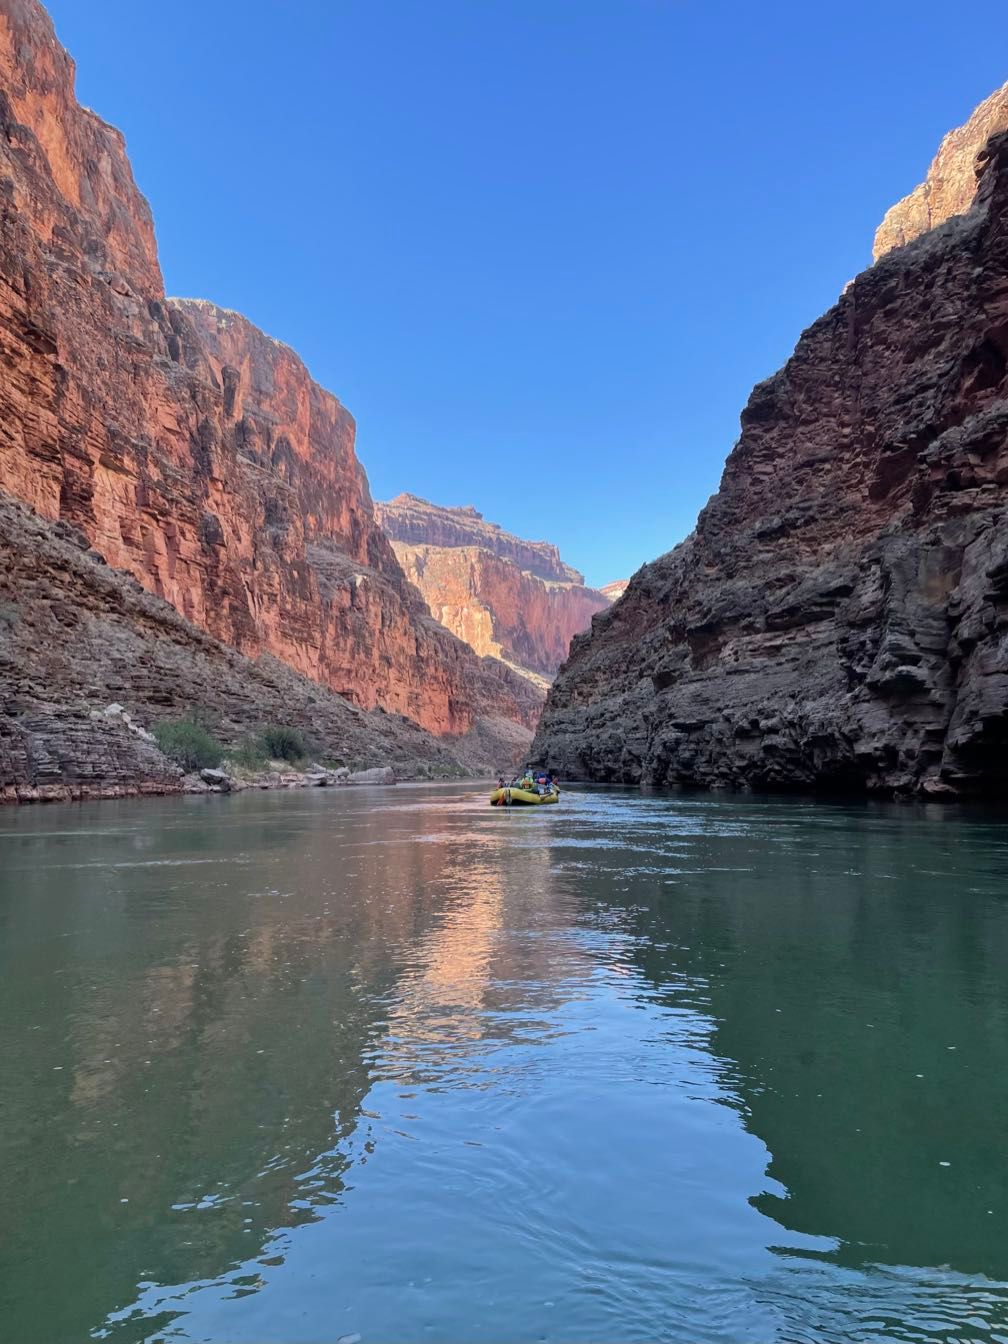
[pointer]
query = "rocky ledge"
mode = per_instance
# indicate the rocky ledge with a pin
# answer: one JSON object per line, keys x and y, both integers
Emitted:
{"x": 316, "y": 776}
{"x": 839, "y": 617}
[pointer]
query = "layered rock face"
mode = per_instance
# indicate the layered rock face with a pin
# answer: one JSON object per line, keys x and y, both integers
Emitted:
{"x": 614, "y": 590}
{"x": 506, "y": 597}
{"x": 79, "y": 639}
{"x": 187, "y": 447}
{"x": 412, "y": 519}
{"x": 839, "y": 617}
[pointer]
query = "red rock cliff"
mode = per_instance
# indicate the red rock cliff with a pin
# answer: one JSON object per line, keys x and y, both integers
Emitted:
{"x": 839, "y": 617}
{"x": 189, "y": 448}
{"x": 473, "y": 577}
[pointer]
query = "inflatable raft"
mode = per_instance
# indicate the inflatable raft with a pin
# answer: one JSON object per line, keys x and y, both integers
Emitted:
{"x": 511, "y": 796}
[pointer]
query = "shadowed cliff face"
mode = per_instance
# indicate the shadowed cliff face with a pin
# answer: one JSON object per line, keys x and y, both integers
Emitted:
{"x": 506, "y": 597}
{"x": 840, "y": 615}
{"x": 189, "y": 448}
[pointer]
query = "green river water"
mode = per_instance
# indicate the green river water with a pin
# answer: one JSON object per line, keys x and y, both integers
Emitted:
{"x": 302, "y": 1067}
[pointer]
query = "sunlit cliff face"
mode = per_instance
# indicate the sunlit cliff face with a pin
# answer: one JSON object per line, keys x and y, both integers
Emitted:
{"x": 189, "y": 448}
{"x": 505, "y": 596}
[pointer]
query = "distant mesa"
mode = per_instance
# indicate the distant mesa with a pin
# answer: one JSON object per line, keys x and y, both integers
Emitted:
{"x": 614, "y": 590}
{"x": 505, "y": 596}
{"x": 409, "y": 518}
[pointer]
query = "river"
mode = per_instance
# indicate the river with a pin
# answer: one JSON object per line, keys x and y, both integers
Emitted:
{"x": 301, "y": 1067}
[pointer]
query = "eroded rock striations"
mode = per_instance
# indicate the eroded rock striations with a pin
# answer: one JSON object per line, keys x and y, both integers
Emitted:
{"x": 839, "y": 617}
{"x": 412, "y": 519}
{"x": 506, "y": 597}
{"x": 187, "y": 447}
{"x": 80, "y": 642}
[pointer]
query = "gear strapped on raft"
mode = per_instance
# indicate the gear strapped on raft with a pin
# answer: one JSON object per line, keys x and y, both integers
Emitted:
{"x": 530, "y": 788}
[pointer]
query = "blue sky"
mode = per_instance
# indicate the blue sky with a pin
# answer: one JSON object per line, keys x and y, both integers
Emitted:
{"x": 541, "y": 249}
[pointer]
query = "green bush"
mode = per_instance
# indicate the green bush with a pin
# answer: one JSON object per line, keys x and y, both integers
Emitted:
{"x": 188, "y": 744}
{"x": 284, "y": 744}
{"x": 249, "y": 754}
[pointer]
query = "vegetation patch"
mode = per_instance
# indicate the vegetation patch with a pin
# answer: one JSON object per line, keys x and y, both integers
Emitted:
{"x": 284, "y": 744}
{"x": 249, "y": 755}
{"x": 188, "y": 744}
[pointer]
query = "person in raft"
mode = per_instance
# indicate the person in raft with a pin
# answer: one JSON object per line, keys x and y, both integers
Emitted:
{"x": 542, "y": 783}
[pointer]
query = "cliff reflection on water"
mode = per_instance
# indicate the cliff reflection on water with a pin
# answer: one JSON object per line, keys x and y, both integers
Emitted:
{"x": 286, "y": 1067}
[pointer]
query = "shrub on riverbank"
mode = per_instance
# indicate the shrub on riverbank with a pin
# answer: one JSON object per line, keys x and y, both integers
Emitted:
{"x": 188, "y": 744}
{"x": 284, "y": 744}
{"x": 250, "y": 754}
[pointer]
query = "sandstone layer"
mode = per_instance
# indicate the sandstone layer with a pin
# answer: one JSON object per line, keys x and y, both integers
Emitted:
{"x": 950, "y": 184}
{"x": 412, "y": 519}
{"x": 79, "y": 638}
{"x": 506, "y": 597}
{"x": 839, "y": 617}
{"x": 187, "y": 447}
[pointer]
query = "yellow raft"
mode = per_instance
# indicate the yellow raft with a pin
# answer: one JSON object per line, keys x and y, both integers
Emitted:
{"x": 509, "y": 796}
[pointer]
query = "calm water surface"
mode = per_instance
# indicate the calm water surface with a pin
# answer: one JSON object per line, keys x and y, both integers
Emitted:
{"x": 389, "y": 1063}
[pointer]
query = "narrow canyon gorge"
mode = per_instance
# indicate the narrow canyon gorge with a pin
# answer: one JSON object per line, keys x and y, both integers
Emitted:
{"x": 186, "y": 528}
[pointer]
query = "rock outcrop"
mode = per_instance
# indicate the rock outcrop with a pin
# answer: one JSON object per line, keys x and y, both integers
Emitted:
{"x": 506, "y": 597}
{"x": 615, "y": 589}
{"x": 950, "y": 184}
{"x": 187, "y": 447}
{"x": 839, "y": 617}
{"x": 80, "y": 640}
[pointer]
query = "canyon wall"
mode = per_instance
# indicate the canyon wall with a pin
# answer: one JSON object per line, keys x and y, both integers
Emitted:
{"x": 412, "y": 519}
{"x": 506, "y": 597}
{"x": 81, "y": 641}
{"x": 187, "y": 447}
{"x": 839, "y": 617}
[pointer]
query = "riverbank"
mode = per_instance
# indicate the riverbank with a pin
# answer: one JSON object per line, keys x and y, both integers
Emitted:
{"x": 278, "y": 776}
{"x": 229, "y": 779}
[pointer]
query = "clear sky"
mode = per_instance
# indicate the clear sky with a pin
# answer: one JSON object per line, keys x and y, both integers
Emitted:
{"x": 541, "y": 249}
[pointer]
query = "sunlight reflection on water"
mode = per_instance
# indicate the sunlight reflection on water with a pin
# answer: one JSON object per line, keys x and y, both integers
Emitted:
{"x": 634, "y": 1067}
